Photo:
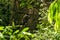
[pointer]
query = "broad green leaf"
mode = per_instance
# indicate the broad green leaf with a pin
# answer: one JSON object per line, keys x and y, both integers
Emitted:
{"x": 1, "y": 27}
{"x": 25, "y": 29}
{"x": 54, "y": 14}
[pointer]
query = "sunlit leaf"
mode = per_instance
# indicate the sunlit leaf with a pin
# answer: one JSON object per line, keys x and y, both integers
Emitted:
{"x": 16, "y": 31}
{"x": 25, "y": 29}
{"x": 1, "y": 35}
{"x": 1, "y": 27}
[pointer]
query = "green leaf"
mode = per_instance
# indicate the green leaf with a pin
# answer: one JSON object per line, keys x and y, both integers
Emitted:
{"x": 13, "y": 37}
{"x": 1, "y": 27}
{"x": 30, "y": 6}
{"x": 25, "y": 29}
{"x": 26, "y": 33}
{"x": 29, "y": 34}
{"x": 1, "y": 35}
{"x": 16, "y": 31}
{"x": 13, "y": 24}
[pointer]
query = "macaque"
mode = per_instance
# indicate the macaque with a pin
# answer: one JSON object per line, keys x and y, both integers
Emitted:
{"x": 25, "y": 19}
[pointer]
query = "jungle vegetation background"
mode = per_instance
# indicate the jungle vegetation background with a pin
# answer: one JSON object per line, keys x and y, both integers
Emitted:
{"x": 26, "y": 20}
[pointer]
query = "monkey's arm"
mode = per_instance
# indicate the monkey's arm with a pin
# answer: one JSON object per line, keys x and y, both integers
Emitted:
{"x": 25, "y": 19}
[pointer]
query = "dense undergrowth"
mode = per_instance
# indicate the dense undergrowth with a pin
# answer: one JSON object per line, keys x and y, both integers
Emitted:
{"x": 44, "y": 30}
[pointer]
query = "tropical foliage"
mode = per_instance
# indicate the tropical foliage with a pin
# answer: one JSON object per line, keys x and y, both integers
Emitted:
{"x": 54, "y": 15}
{"x": 29, "y": 20}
